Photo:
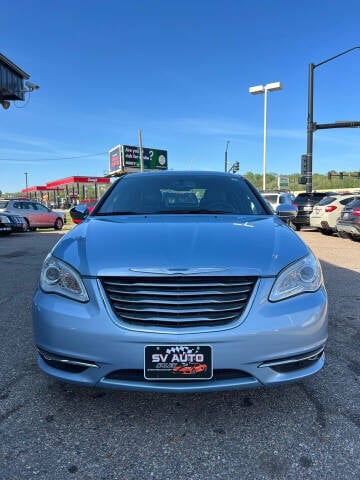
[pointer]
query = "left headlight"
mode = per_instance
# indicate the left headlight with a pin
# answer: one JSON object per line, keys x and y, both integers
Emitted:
{"x": 305, "y": 275}
{"x": 58, "y": 277}
{"x": 4, "y": 219}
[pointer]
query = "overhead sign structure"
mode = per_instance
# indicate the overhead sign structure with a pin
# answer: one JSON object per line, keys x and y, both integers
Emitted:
{"x": 126, "y": 158}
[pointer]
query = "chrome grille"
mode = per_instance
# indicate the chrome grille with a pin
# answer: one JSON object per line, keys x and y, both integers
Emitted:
{"x": 179, "y": 301}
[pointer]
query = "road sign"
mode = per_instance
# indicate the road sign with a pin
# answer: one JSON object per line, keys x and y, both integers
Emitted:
{"x": 283, "y": 182}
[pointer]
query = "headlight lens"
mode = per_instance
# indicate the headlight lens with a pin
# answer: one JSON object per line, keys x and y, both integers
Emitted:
{"x": 4, "y": 219}
{"x": 58, "y": 277}
{"x": 305, "y": 275}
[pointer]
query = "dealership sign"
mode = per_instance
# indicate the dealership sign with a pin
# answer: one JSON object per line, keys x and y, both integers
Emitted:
{"x": 126, "y": 158}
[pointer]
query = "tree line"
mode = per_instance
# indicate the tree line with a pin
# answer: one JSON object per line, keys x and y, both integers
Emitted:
{"x": 320, "y": 182}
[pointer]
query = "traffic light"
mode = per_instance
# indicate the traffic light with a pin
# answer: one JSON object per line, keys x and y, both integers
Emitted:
{"x": 341, "y": 175}
{"x": 235, "y": 167}
{"x": 329, "y": 175}
{"x": 304, "y": 164}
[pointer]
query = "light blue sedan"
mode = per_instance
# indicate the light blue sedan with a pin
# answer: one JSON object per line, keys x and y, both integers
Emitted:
{"x": 181, "y": 282}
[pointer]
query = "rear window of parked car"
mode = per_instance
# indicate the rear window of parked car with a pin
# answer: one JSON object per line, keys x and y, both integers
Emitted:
{"x": 327, "y": 200}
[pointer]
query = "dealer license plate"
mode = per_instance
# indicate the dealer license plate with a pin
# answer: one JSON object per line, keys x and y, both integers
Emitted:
{"x": 178, "y": 362}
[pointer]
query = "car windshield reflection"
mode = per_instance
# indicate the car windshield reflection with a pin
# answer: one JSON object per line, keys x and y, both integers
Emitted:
{"x": 181, "y": 193}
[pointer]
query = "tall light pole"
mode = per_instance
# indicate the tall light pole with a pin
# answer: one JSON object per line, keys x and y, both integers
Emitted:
{"x": 226, "y": 159}
{"x": 269, "y": 87}
{"x": 312, "y": 126}
{"x": 26, "y": 183}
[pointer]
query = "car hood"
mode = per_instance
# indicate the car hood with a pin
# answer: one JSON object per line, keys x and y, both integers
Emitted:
{"x": 153, "y": 244}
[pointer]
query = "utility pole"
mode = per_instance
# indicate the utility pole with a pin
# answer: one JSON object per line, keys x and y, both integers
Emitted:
{"x": 141, "y": 152}
{"x": 26, "y": 184}
{"x": 226, "y": 158}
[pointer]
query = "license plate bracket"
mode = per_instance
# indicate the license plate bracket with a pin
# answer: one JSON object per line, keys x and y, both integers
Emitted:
{"x": 178, "y": 362}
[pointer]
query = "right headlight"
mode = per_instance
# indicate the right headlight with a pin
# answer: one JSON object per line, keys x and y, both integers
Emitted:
{"x": 59, "y": 277}
{"x": 305, "y": 275}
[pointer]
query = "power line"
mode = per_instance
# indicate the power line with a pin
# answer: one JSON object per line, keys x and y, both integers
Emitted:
{"x": 51, "y": 159}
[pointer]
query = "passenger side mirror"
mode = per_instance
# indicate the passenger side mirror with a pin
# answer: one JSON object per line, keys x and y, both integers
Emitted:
{"x": 286, "y": 211}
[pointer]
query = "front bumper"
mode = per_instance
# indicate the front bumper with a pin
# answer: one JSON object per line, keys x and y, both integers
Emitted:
{"x": 91, "y": 334}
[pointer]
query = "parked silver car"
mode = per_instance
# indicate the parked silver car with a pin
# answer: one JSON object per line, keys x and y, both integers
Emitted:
{"x": 181, "y": 282}
{"x": 35, "y": 214}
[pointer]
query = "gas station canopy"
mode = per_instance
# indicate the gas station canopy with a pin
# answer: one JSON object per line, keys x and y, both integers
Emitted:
{"x": 74, "y": 187}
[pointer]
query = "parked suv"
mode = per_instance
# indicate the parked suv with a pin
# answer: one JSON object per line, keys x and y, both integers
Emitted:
{"x": 326, "y": 213}
{"x": 35, "y": 214}
{"x": 348, "y": 224}
{"x": 305, "y": 203}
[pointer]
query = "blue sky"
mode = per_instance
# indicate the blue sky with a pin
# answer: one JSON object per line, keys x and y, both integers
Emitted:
{"x": 180, "y": 71}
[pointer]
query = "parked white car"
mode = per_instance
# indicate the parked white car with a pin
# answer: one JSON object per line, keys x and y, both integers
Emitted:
{"x": 327, "y": 212}
{"x": 278, "y": 198}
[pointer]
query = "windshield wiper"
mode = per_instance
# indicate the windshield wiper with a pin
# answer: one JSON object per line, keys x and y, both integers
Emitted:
{"x": 196, "y": 211}
{"x": 167, "y": 212}
{"x": 104, "y": 214}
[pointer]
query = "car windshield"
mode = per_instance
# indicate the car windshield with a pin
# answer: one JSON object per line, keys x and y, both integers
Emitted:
{"x": 3, "y": 204}
{"x": 181, "y": 193}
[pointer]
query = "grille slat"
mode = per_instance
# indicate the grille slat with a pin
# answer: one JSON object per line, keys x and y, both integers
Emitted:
{"x": 184, "y": 291}
{"x": 179, "y": 302}
{"x": 175, "y": 301}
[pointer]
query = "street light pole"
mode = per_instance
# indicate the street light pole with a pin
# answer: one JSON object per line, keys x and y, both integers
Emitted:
{"x": 311, "y": 126}
{"x": 255, "y": 91}
{"x": 226, "y": 159}
{"x": 264, "y": 142}
{"x": 26, "y": 184}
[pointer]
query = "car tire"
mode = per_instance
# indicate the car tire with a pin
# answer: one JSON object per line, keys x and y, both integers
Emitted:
{"x": 355, "y": 238}
{"x": 58, "y": 224}
{"x": 343, "y": 235}
{"x": 294, "y": 226}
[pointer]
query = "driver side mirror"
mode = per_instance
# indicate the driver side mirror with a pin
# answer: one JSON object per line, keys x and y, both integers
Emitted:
{"x": 79, "y": 212}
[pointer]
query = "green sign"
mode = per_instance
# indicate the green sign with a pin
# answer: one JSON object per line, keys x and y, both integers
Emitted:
{"x": 283, "y": 182}
{"x": 153, "y": 159}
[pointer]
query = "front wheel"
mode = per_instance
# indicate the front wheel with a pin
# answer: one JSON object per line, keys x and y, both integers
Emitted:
{"x": 58, "y": 224}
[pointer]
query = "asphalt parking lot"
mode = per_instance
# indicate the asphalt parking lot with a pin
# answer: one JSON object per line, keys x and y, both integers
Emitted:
{"x": 49, "y": 430}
